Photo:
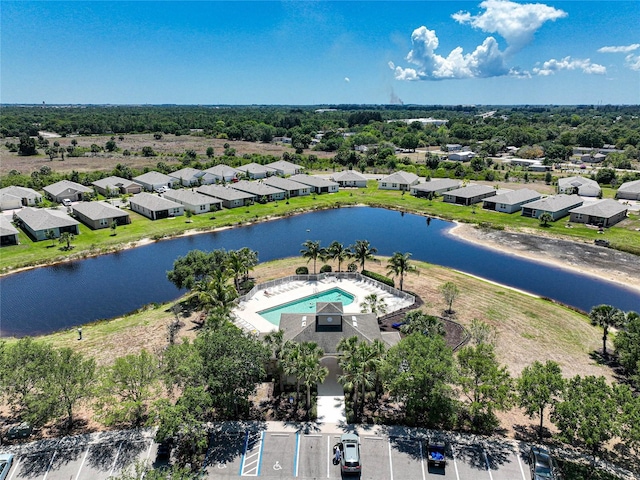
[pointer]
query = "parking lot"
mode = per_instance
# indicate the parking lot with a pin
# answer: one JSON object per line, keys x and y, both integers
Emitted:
{"x": 277, "y": 454}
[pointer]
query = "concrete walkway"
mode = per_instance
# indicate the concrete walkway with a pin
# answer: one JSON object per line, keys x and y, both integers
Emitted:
{"x": 331, "y": 407}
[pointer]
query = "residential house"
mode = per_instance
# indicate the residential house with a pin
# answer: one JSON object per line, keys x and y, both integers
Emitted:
{"x": 96, "y": 215}
{"x": 461, "y": 156}
{"x": 229, "y": 197}
{"x": 585, "y": 187}
{"x": 153, "y": 181}
{"x": 629, "y": 191}
{"x": 225, "y": 173}
{"x": 260, "y": 190}
{"x": 36, "y": 222}
{"x": 317, "y": 184}
{"x": 66, "y": 190}
{"x": 8, "y": 233}
{"x": 434, "y": 186}
{"x": 532, "y": 165}
{"x": 510, "y": 202}
{"x": 255, "y": 171}
{"x": 350, "y": 178}
{"x": 189, "y": 177}
{"x": 193, "y": 201}
{"x": 557, "y": 206}
{"x": 155, "y": 207}
{"x": 292, "y": 188}
{"x": 469, "y": 195}
{"x": 283, "y": 168}
{"x": 113, "y": 186}
{"x": 14, "y": 197}
{"x": 453, "y": 147}
{"x": 603, "y": 213}
{"x": 400, "y": 180}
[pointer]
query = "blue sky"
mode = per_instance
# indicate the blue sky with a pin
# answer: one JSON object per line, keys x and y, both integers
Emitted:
{"x": 310, "y": 53}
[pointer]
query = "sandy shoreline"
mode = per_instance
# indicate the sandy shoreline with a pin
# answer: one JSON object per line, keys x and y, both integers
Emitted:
{"x": 587, "y": 259}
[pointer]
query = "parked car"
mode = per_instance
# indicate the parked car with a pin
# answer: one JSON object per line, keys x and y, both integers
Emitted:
{"x": 66, "y": 202}
{"x": 542, "y": 465}
{"x": 436, "y": 455}
{"x": 5, "y": 465}
{"x": 350, "y": 459}
{"x": 162, "y": 189}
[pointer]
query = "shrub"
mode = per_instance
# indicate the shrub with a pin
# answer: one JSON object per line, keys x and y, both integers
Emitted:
{"x": 380, "y": 278}
{"x": 352, "y": 267}
{"x": 302, "y": 271}
{"x": 325, "y": 268}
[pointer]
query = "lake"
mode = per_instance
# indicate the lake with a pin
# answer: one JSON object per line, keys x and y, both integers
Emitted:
{"x": 51, "y": 298}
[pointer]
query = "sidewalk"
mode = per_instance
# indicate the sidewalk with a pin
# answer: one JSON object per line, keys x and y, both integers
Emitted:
{"x": 331, "y": 407}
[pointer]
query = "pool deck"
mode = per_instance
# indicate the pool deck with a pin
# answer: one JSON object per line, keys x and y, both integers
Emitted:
{"x": 247, "y": 316}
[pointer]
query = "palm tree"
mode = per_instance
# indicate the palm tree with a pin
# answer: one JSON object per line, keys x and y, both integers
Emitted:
{"x": 310, "y": 370}
{"x": 337, "y": 251}
{"x": 291, "y": 359}
{"x": 240, "y": 262}
{"x": 373, "y": 304}
{"x": 606, "y": 316}
{"x": 66, "y": 237}
{"x": 362, "y": 251}
{"x": 312, "y": 251}
{"x": 359, "y": 364}
{"x": 545, "y": 218}
{"x": 417, "y": 321}
{"x": 51, "y": 235}
{"x": 275, "y": 342}
{"x": 399, "y": 264}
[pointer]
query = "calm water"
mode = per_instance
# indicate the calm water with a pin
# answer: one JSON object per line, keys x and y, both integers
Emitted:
{"x": 306, "y": 304}
{"x": 62, "y": 296}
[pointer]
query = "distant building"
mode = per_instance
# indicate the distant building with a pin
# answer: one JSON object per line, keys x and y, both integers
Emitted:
{"x": 585, "y": 187}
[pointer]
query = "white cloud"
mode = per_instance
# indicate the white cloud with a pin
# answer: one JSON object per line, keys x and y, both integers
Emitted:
{"x": 620, "y": 49}
{"x": 633, "y": 62}
{"x": 515, "y": 22}
{"x": 567, "y": 63}
{"x": 347, "y": 79}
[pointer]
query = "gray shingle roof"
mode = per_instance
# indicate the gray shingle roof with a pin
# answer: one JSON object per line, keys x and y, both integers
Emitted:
{"x": 630, "y": 187}
{"x": 471, "y": 191}
{"x": 62, "y": 186}
{"x": 256, "y": 168}
{"x": 153, "y": 178}
{"x": 189, "y": 196}
{"x": 256, "y": 188}
{"x": 20, "y": 192}
{"x": 114, "y": 183}
{"x": 517, "y": 196}
{"x": 44, "y": 219}
{"x": 603, "y": 208}
{"x": 555, "y": 203}
{"x": 401, "y": 177}
{"x": 348, "y": 176}
{"x": 224, "y": 193}
{"x": 98, "y": 210}
{"x": 223, "y": 171}
{"x": 285, "y": 166}
{"x": 6, "y": 228}
{"x": 153, "y": 202}
{"x": 284, "y": 183}
{"x": 437, "y": 184}
{"x": 312, "y": 180}
{"x": 186, "y": 173}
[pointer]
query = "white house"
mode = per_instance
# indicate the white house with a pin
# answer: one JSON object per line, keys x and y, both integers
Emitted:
{"x": 153, "y": 181}
{"x": 14, "y": 197}
{"x": 195, "y": 202}
{"x": 192, "y": 176}
{"x": 155, "y": 207}
{"x": 585, "y": 187}
{"x": 66, "y": 190}
{"x": 400, "y": 180}
{"x": 224, "y": 173}
{"x": 350, "y": 178}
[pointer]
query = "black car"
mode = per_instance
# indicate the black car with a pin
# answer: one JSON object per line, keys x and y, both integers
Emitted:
{"x": 543, "y": 466}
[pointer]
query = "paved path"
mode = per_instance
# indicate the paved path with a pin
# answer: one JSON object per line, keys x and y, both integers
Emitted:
{"x": 331, "y": 407}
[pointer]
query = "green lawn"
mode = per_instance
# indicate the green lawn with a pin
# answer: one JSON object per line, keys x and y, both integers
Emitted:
{"x": 91, "y": 242}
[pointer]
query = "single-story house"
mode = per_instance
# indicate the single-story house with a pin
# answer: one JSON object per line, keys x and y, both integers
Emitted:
{"x": 8, "y": 233}
{"x": 533, "y": 165}
{"x": 453, "y": 147}
{"x": 66, "y": 189}
{"x": 224, "y": 173}
{"x": 260, "y": 190}
{"x": 155, "y": 207}
{"x": 36, "y": 222}
{"x": 350, "y": 178}
{"x": 603, "y": 213}
{"x": 192, "y": 176}
{"x": 469, "y": 195}
{"x": 434, "y": 186}
{"x": 282, "y": 167}
{"x": 256, "y": 171}
{"x": 152, "y": 181}
{"x": 97, "y": 215}
{"x": 585, "y": 187}
{"x": 317, "y": 184}
{"x": 293, "y": 188}
{"x": 556, "y": 205}
{"x": 629, "y": 191}
{"x": 400, "y": 180}
{"x": 461, "y": 156}
{"x": 14, "y": 197}
{"x": 195, "y": 202}
{"x": 510, "y": 202}
{"x": 111, "y": 186}
{"x": 230, "y": 198}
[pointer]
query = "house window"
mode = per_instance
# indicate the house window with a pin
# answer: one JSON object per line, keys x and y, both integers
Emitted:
{"x": 103, "y": 221}
{"x": 394, "y": 185}
{"x": 502, "y": 205}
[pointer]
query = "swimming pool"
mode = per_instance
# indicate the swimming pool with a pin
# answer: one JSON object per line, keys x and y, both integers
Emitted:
{"x": 306, "y": 304}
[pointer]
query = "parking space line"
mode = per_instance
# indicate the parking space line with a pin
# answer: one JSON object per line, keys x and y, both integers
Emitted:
{"x": 82, "y": 463}
{"x": 328, "y": 455}
{"x": 251, "y": 458}
{"x": 15, "y": 468}
{"x": 244, "y": 452}
{"x": 261, "y": 450}
{"x": 115, "y": 459}
{"x": 486, "y": 461}
{"x": 455, "y": 465}
{"x": 390, "y": 460}
{"x": 421, "y": 459}
{"x": 295, "y": 459}
{"x": 520, "y": 465}
{"x": 50, "y": 463}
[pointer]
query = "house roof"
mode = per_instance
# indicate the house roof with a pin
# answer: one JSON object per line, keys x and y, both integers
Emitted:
{"x": 63, "y": 186}
{"x": 577, "y": 182}
{"x": 20, "y": 192}
{"x": 256, "y": 168}
{"x": 436, "y": 184}
{"x": 348, "y": 176}
{"x": 401, "y": 177}
{"x": 223, "y": 171}
{"x": 313, "y": 180}
{"x": 6, "y": 228}
{"x": 114, "y": 183}
{"x": 284, "y": 183}
{"x": 329, "y": 307}
{"x": 190, "y": 197}
{"x": 98, "y": 210}
{"x": 515, "y": 196}
{"x": 153, "y": 202}
{"x": 224, "y": 193}
{"x": 284, "y": 166}
{"x": 256, "y": 188}
{"x": 187, "y": 173}
{"x": 153, "y": 178}
{"x": 470, "y": 191}
{"x": 44, "y": 219}
{"x": 630, "y": 187}
{"x": 603, "y": 208}
{"x": 555, "y": 203}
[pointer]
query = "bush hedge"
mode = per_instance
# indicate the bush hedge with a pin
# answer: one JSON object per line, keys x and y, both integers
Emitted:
{"x": 325, "y": 269}
{"x": 302, "y": 271}
{"x": 379, "y": 278}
